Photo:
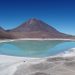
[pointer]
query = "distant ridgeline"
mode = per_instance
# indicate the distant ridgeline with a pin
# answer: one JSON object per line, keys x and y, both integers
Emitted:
{"x": 33, "y": 28}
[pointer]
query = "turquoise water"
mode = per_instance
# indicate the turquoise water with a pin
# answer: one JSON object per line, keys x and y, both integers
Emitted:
{"x": 35, "y": 48}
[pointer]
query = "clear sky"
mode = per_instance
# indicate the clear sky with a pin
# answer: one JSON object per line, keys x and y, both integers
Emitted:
{"x": 58, "y": 13}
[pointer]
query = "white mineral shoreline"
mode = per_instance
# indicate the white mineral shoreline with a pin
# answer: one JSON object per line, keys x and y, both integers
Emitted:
{"x": 10, "y": 65}
{"x": 13, "y": 65}
{"x": 36, "y": 39}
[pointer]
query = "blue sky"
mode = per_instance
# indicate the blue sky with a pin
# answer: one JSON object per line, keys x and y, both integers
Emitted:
{"x": 57, "y": 13}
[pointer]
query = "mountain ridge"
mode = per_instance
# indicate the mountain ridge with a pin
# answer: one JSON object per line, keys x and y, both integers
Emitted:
{"x": 34, "y": 28}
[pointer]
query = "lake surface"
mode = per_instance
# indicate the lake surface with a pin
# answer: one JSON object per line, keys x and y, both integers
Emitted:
{"x": 30, "y": 48}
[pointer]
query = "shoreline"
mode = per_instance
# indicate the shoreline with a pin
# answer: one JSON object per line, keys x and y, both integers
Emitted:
{"x": 36, "y": 39}
{"x": 16, "y": 65}
{"x": 9, "y": 64}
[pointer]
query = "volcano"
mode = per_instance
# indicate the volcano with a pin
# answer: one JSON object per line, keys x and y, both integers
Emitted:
{"x": 33, "y": 28}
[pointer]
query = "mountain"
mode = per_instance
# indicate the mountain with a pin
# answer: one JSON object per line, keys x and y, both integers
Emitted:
{"x": 4, "y": 34}
{"x": 35, "y": 28}
{"x": 33, "y": 25}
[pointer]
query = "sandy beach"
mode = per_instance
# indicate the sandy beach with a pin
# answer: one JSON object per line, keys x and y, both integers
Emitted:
{"x": 62, "y": 64}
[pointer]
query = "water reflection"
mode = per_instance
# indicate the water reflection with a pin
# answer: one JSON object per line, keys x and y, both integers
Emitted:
{"x": 35, "y": 45}
{"x": 31, "y": 48}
